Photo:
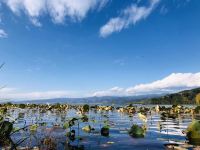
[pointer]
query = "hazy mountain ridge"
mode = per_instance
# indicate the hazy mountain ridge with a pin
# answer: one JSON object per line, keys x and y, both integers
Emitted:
{"x": 94, "y": 100}
{"x": 183, "y": 97}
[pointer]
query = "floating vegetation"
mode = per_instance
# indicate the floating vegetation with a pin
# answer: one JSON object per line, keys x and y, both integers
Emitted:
{"x": 193, "y": 132}
{"x": 71, "y": 135}
{"x": 105, "y": 131}
{"x": 33, "y": 127}
{"x": 197, "y": 110}
{"x": 64, "y": 126}
{"x": 87, "y": 128}
{"x": 86, "y": 108}
{"x": 142, "y": 117}
{"x": 5, "y": 131}
{"x": 136, "y": 131}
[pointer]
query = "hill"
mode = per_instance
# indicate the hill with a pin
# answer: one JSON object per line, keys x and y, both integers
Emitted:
{"x": 183, "y": 97}
{"x": 105, "y": 100}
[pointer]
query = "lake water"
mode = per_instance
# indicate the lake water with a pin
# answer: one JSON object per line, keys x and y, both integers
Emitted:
{"x": 159, "y": 132}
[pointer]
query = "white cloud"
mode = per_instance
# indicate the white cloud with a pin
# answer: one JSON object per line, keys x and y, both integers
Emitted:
{"x": 58, "y": 10}
{"x": 3, "y": 34}
{"x": 115, "y": 91}
{"x": 6, "y": 90}
{"x": 172, "y": 83}
{"x": 129, "y": 16}
{"x": 36, "y": 22}
{"x": 14, "y": 94}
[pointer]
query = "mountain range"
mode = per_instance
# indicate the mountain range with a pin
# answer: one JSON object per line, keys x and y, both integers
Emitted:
{"x": 183, "y": 97}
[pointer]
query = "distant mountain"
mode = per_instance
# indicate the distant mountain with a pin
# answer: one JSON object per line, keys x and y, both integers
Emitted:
{"x": 183, "y": 97}
{"x": 106, "y": 100}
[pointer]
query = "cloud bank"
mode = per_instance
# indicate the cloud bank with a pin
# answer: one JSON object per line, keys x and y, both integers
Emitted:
{"x": 58, "y": 10}
{"x": 130, "y": 16}
{"x": 172, "y": 83}
{"x": 14, "y": 94}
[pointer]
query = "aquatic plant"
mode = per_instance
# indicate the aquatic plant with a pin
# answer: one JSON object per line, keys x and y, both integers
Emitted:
{"x": 136, "y": 131}
{"x": 6, "y": 130}
{"x": 87, "y": 128}
{"x": 197, "y": 110}
{"x": 142, "y": 117}
{"x": 193, "y": 132}
{"x": 22, "y": 106}
{"x": 49, "y": 143}
{"x": 157, "y": 108}
{"x": 86, "y": 108}
{"x": 177, "y": 109}
{"x": 197, "y": 99}
{"x": 72, "y": 122}
{"x": 71, "y": 135}
{"x": 84, "y": 118}
{"x": 105, "y": 131}
{"x": 168, "y": 114}
{"x": 162, "y": 108}
{"x": 103, "y": 120}
{"x": 33, "y": 127}
{"x": 21, "y": 115}
{"x": 143, "y": 110}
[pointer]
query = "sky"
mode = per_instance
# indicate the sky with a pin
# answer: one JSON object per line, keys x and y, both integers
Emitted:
{"x": 82, "y": 48}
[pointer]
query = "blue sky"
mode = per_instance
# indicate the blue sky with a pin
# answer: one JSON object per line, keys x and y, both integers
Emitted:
{"x": 64, "y": 48}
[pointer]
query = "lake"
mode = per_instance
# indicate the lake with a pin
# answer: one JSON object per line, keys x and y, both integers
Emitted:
{"x": 50, "y": 125}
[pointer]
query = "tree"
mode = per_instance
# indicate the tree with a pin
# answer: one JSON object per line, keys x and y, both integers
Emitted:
{"x": 197, "y": 98}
